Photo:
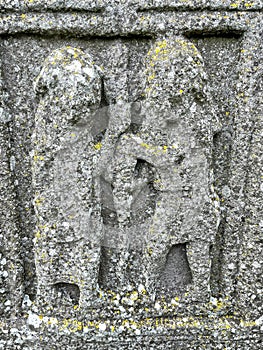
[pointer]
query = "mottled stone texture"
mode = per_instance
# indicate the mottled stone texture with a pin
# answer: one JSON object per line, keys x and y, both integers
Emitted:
{"x": 131, "y": 174}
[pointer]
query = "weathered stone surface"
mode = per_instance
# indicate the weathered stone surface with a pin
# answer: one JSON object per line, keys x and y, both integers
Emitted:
{"x": 131, "y": 174}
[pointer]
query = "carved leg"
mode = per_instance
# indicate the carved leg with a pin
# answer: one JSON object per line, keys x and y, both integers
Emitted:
{"x": 154, "y": 268}
{"x": 200, "y": 263}
{"x": 156, "y": 251}
{"x": 41, "y": 293}
{"x": 88, "y": 283}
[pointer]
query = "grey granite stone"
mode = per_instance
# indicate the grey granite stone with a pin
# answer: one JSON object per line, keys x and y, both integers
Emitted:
{"x": 131, "y": 174}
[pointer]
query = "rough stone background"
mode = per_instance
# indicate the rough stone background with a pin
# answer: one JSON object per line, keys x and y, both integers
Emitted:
{"x": 118, "y": 35}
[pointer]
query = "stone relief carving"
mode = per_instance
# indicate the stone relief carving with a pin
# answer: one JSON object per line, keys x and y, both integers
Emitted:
{"x": 135, "y": 254}
{"x": 188, "y": 121}
{"x": 69, "y": 227}
{"x": 174, "y": 144}
{"x": 145, "y": 187}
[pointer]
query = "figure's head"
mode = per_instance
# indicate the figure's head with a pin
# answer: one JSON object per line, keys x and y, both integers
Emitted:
{"x": 177, "y": 89}
{"x": 174, "y": 71}
{"x": 70, "y": 81}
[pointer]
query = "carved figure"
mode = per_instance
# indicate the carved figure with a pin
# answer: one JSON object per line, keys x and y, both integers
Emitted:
{"x": 175, "y": 139}
{"x": 69, "y": 228}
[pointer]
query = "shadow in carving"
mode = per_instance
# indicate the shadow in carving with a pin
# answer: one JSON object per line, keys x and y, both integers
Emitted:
{"x": 176, "y": 274}
{"x": 65, "y": 294}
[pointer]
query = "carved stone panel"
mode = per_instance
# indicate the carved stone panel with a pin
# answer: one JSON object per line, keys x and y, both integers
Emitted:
{"x": 130, "y": 175}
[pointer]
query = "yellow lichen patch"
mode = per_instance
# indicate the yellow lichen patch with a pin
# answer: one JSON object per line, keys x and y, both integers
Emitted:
{"x": 248, "y": 323}
{"x": 52, "y": 321}
{"x": 162, "y": 44}
{"x": 142, "y": 291}
{"x": 249, "y": 4}
{"x": 43, "y": 227}
{"x": 219, "y": 304}
{"x": 23, "y": 16}
{"x": 227, "y": 324}
{"x": 149, "y": 251}
{"x": 145, "y": 145}
{"x": 89, "y": 324}
{"x": 151, "y": 77}
{"x": 159, "y": 52}
{"x": 38, "y": 201}
{"x": 98, "y": 146}
{"x": 147, "y": 90}
{"x": 125, "y": 323}
{"x": 66, "y": 56}
{"x": 43, "y": 256}
{"x": 153, "y": 149}
{"x": 38, "y": 235}
{"x": 37, "y": 158}
{"x": 165, "y": 53}
{"x": 134, "y": 295}
{"x": 71, "y": 325}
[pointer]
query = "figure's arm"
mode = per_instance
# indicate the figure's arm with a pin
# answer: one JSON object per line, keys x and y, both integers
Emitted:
{"x": 123, "y": 173}
{"x": 119, "y": 121}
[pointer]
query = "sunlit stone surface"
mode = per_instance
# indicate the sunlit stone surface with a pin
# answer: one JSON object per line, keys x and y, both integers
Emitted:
{"x": 131, "y": 174}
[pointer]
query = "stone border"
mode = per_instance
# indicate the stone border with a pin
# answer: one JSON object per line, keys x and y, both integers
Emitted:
{"x": 138, "y": 5}
{"x": 121, "y": 24}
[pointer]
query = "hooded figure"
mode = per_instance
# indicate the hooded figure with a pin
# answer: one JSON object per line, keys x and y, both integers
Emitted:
{"x": 175, "y": 141}
{"x": 69, "y": 229}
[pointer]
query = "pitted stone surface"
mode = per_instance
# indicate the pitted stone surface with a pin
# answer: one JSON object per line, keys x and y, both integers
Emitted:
{"x": 131, "y": 163}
